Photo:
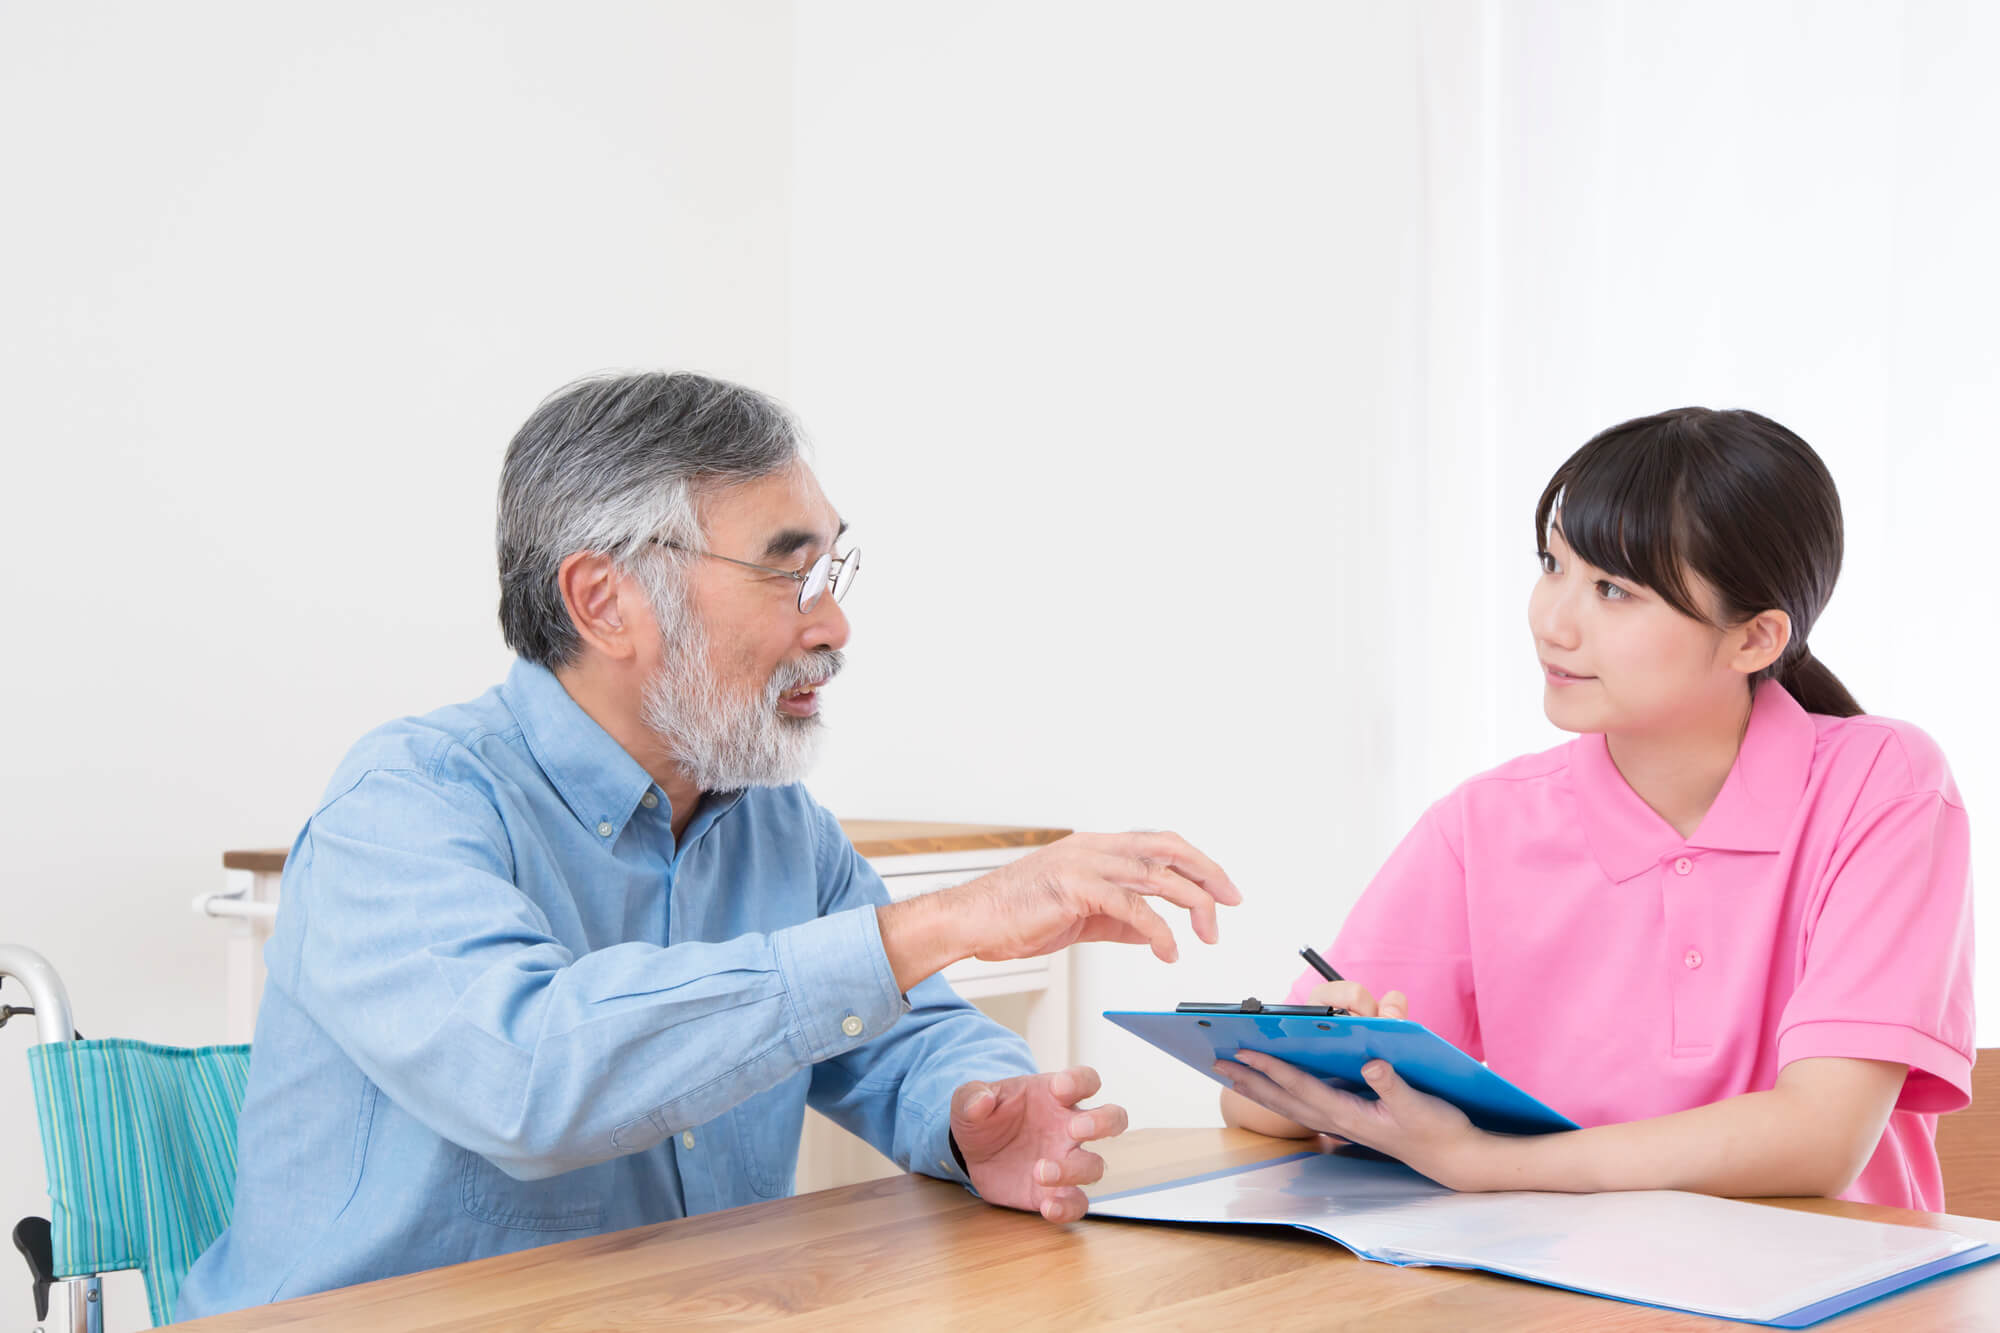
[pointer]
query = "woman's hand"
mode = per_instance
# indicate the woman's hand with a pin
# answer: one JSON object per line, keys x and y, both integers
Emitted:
{"x": 1355, "y": 999}
{"x": 1425, "y": 1133}
{"x": 1243, "y": 1113}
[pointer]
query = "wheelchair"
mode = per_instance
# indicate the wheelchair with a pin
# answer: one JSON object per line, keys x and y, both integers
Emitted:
{"x": 139, "y": 1145}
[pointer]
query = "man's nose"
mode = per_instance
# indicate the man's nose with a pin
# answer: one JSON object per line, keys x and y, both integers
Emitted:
{"x": 826, "y": 625}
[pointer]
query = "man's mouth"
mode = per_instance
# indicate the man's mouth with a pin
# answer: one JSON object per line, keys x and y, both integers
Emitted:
{"x": 801, "y": 701}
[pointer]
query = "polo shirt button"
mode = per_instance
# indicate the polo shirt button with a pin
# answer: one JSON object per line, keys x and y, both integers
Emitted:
{"x": 1683, "y": 867}
{"x": 851, "y": 1025}
{"x": 687, "y": 1138}
{"x": 604, "y": 829}
{"x": 1693, "y": 959}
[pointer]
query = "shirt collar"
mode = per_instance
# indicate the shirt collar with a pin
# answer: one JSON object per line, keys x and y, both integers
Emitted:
{"x": 1752, "y": 813}
{"x": 597, "y": 779}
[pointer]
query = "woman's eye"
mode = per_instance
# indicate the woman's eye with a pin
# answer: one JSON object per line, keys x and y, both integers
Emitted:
{"x": 1548, "y": 562}
{"x": 1610, "y": 591}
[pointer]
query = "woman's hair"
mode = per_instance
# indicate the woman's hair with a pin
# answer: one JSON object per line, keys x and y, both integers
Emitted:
{"x": 1733, "y": 496}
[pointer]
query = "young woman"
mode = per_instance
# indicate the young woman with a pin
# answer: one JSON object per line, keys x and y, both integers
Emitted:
{"x": 1728, "y": 928}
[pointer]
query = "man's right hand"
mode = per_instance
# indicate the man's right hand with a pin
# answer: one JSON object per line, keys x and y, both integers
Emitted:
{"x": 1088, "y": 886}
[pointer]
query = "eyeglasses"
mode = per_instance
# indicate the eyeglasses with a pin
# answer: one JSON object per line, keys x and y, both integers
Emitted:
{"x": 829, "y": 573}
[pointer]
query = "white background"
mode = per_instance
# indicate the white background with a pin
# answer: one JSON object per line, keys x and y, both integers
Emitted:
{"x": 1187, "y": 372}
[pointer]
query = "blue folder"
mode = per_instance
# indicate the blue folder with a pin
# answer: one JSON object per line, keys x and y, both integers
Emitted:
{"x": 1334, "y": 1047}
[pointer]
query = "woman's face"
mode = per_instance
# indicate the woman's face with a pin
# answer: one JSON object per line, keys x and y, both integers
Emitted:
{"x": 1616, "y": 658}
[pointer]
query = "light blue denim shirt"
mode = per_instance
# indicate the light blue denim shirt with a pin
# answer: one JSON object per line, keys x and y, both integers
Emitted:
{"x": 505, "y": 1008}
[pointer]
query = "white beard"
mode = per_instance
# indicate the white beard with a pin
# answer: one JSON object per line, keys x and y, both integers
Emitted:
{"x": 721, "y": 742}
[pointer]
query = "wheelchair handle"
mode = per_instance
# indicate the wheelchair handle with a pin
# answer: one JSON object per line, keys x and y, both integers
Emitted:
{"x": 45, "y": 990}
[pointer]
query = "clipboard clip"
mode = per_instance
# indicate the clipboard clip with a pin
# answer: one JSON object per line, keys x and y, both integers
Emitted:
{"x": 1253, "y": 1005}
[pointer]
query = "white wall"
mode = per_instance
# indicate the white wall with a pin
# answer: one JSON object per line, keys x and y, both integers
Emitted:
{"x": 1108, "y": 318}
{"x": 1188, "y": 372}
{"x": 281, "y": 282}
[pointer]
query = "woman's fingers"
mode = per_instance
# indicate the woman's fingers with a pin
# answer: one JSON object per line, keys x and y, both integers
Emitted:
{"x": 1348, "y": 995}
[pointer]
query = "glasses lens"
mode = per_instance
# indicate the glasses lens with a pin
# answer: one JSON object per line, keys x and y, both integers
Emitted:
{"x": 843, "y": 578}
{"x": 815, "y": 582}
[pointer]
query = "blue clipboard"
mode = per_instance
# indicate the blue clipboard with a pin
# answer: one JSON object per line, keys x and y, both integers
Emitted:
{"x": 1333, "y": 1047}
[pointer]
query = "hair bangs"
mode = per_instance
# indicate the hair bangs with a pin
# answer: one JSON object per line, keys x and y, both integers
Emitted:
{"x": 1618, "y": 505}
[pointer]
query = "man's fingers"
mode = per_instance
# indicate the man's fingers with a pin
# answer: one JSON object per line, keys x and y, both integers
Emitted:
{"x": 973, "y": 1102}
{"x": 1074, "y": 1084}
{"x": 1065, "y": 1205}
{"x": 1173, "y": 850}
{"x": 1079, "y": 1166}
{"x": 1163, "y": 881}
{"x": 1099, "y": 1122}
{"x": 1122, "y": 904}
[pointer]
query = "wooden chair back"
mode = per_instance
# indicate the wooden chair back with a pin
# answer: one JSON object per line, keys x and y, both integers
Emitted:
{"x": 1968, "y": 1144}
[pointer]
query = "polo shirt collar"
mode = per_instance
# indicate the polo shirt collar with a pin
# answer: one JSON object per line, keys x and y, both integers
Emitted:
{"x": 599, "y": 782}
{"x": 1752, "y": 813}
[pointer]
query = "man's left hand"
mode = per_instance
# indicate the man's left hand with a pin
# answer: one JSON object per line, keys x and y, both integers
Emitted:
{"x": 1023, "y": 1139}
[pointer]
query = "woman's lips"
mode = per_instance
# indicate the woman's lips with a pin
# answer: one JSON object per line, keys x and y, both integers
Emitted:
{"x": 1557, "y": 676}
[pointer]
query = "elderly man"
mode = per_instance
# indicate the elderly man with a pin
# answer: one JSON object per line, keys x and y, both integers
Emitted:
{"x": 577, "y": 955}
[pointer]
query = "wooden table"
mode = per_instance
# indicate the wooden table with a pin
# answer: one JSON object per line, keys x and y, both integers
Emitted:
{"x": 913, "y": 1253}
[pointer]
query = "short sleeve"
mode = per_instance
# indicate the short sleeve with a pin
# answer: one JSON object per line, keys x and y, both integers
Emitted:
{"x": 1408, "y": 933}
{"x": 1886, "y": 958}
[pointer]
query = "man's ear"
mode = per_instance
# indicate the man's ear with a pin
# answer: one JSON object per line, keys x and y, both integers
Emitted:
{"x": 596, "y": 594}
{"x": 1760, "y": 641}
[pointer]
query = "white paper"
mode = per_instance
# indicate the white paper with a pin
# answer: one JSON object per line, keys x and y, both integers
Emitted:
{"x": 1687, "y": 1251}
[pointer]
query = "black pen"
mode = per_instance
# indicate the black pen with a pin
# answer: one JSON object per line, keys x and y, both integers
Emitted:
{"x": 1319, "y": 965}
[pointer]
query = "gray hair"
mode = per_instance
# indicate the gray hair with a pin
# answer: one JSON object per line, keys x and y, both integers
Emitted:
{"x": 608, "y": 463}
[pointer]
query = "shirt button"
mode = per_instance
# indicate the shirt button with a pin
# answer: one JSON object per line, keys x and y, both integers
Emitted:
{"x": 604, "y": 829}
{"x": 687, "y": 1138}
{"x": 1693, "y": 959}
{"x": 649, "y": 800}
{"x": 851, "y": 1025}
{"x": 1683, "y": 867}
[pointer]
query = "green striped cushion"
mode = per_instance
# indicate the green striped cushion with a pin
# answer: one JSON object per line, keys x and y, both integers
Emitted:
{"x": 140, "y": 1143}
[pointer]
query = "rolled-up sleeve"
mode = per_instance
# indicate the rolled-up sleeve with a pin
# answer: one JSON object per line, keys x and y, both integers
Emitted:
{"x": 895, "y": 1091}
{"x": 1886, "y": 958}
{"x": 1408, "y": 932}
{"x": 446, "y": 985}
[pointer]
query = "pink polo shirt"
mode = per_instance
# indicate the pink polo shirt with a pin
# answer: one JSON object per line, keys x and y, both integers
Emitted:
{"x": 1546, "y": 920}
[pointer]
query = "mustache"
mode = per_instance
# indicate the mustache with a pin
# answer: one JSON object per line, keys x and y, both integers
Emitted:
{"x": 822, "y": 665}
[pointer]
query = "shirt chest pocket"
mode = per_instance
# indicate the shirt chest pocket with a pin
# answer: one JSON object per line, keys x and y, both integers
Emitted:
{"x": 572, "y": 1201}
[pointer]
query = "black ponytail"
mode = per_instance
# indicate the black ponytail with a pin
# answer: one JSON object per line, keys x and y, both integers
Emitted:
{"x": 1817, "y": 689}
